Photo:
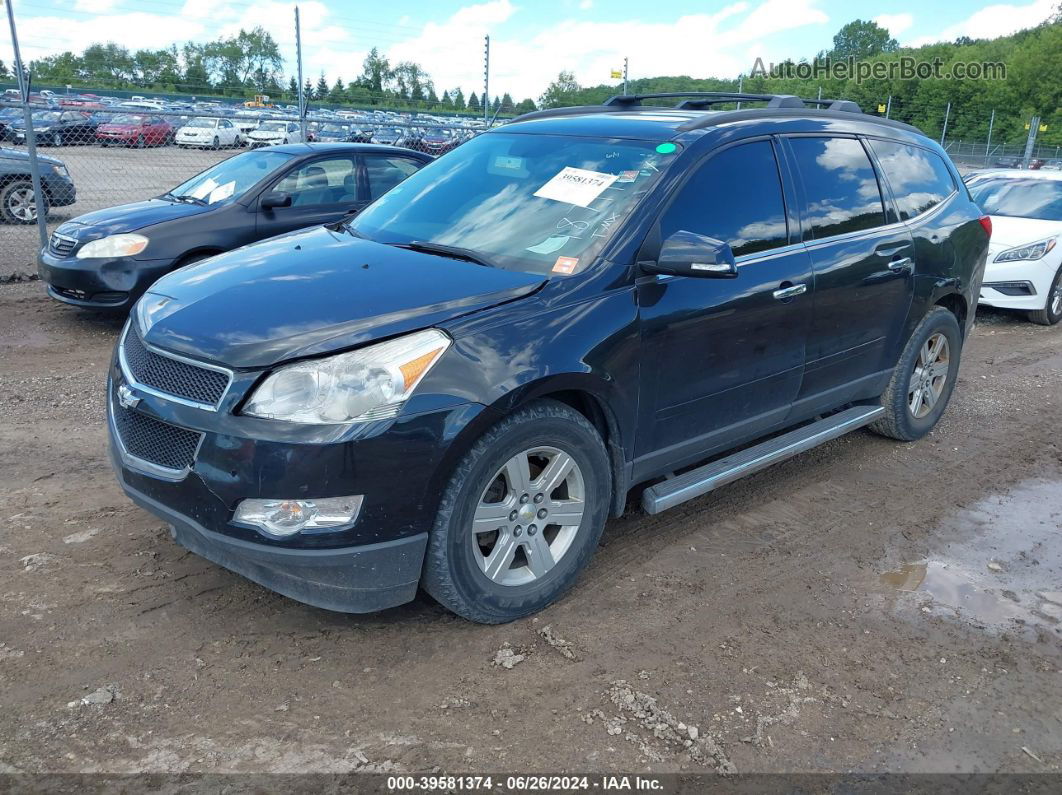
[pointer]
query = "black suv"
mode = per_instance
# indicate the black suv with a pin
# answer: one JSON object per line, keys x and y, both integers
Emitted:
{"x": 456, "y": 388}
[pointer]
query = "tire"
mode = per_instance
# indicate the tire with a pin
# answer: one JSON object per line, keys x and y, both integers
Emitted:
{"x": 217, "y": 144}
{"x": 1052, "y": 311}
{"x": 17, "y": 205}
{"x": 901, "y": 420}
{"x": 285, "y": 140}
{"x": 455, "y": 567}
{"x": 140, "y": 142}
{"x": 57, "y": 140}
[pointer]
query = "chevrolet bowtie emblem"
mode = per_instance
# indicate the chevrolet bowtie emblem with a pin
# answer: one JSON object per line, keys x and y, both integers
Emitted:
{"x": 127, "y": 399}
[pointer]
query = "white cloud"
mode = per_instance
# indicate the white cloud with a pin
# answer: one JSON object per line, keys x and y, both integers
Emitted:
{"x": 586, "y": 5}
{"x": 993, "y": 21}
{"x": 94, "y": 6}
{"x": 895, "y": 23}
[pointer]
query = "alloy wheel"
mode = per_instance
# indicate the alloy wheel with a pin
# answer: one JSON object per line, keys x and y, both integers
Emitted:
{"x": 528, "y": 516}
{"x": 929, "y": 376}
{"x": 21, "y": 204}
{"x": 1054, "y": 301}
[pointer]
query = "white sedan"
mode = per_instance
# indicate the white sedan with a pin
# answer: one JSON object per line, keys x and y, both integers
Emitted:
{"x": 275, "y": 132}
{"x": 1024, "y": 258}
{"x": 209, "y": 132}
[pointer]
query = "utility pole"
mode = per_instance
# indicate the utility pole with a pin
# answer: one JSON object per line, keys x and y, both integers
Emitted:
{"x": 1030, "y": 143}
{"x": 944, "y": 132}
{"x": 888, "y": 106}
{"x": 741, "y": 82}
{"x": 625, "y": 76}
{"x": 298, "y": 59}
{"x": 486, "y": 76}
{"x": 31, "y": 135}
{"x": 988, "y": 146}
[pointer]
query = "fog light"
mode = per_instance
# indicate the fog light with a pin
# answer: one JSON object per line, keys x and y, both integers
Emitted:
{"x": 283, "y": 518}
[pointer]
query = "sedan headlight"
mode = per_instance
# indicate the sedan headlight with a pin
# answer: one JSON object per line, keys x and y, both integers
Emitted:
{"x": 1029, "y": 251}
{"x": 367, "y": 384}
{"x": 114, "y": 246}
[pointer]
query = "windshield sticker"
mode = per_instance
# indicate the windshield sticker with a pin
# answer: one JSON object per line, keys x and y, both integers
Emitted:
{"x": 565, "y": 265}
{"x": 203, "y": 189}
{"x": 549, "y": 245}
{"x": 627, "y": 176}
{"x": 510, "y": 163}
{"x": 575, "y": 186}
{"x": 221, "y": 192}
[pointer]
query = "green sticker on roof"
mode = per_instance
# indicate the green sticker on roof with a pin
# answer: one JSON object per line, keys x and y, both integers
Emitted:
{"x": 666, "y": 149}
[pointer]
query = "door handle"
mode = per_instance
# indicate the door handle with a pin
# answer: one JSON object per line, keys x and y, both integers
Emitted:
{"x": 901, "y": 264}
{"x": 785, "y": 293}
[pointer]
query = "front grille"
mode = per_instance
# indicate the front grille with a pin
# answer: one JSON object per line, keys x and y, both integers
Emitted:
{"x": 154, "y": 441}
{"x": 172, "y": 376}
{"x": 61, "y": 245}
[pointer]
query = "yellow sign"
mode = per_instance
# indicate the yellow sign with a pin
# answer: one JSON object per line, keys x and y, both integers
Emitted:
{"x": 617, "y": 74}
{"x": 1043, "y": 128}
{"x": 881, "y": 108}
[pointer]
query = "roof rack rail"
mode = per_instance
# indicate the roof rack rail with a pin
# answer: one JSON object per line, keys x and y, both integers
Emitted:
{"x": 704, "y": 99}
{"x": 836, "y": 104}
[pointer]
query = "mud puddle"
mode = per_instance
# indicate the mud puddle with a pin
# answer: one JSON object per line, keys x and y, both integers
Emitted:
{"x": 996, "y": 566}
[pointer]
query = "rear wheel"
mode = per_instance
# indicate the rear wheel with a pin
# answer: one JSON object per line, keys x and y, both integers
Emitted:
{"x": 923, "y": 379}
{"x": 140, "y": 143}
{"x": 57, "y": 139}
{"x": 1052, "y": 311}
{"x": 217, "y": 143}
{"x": 521, "y": 516}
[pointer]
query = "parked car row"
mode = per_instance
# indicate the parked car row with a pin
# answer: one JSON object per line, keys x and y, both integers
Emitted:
{"x": 448, "y": 373}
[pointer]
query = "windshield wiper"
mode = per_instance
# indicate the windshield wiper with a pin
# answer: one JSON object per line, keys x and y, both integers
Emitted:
{"x": 184, "y": 197}
{"x": 454, "y": 252}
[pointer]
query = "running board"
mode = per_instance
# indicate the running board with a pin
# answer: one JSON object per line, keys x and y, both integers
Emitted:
{"x": 711, "y": 476}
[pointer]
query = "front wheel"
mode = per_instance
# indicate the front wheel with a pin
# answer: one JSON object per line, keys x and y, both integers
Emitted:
{"x": 923, "y": 379}
{"x": 57, "y": 140}
{"x": 521, "y": 515}
{"x": 217, "y": 144}
{"x": 1052, "y": 311}
{"x": 17, "y": 203}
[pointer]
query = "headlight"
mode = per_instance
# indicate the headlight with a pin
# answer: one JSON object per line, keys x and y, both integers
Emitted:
{"x": 114, "y": 246}
{"x": 61, "y": 171}
{"x": 367, "y": 384}
{"x": 1030, "y": 251}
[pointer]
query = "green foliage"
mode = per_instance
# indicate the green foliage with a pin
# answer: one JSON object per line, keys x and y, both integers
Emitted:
{"x": 861, "y": 39}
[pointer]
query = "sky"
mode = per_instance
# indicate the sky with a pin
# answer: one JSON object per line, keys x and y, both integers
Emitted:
{"x": 531, "y": 40}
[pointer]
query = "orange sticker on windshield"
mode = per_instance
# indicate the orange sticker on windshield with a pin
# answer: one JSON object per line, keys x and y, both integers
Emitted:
{"x": 565, "y": 264}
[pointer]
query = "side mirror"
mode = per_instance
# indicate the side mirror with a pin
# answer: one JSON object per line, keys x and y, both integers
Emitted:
{"x": 690, "y": 254}
{"x": 276, "y": 199}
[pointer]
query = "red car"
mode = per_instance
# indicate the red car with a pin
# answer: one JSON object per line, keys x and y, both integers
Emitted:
{"x": 135, "y": 129}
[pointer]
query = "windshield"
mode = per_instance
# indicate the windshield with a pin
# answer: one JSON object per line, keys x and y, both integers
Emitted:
{"x": 272, "y": 126}
{"x": 334, "y": 128}
{"x": 231, "y": 178}
{"x": 1019, "y": 197}
{"x": 46, "y": 116}
{"x": 127, "y": 119}
{"x": 202, "y": 123}
{"x": 536, "y": 203}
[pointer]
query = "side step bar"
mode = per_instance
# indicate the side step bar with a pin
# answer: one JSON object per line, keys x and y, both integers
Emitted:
{"x": 711, "y": 476}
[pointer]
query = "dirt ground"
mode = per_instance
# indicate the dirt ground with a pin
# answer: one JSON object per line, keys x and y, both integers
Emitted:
{"x": 867, "y": 606}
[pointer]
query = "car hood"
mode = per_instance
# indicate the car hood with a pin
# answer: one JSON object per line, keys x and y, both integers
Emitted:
{"x": 311, "y": 292}
{"x": 129, "y": 218}
{"x": 117, "y": 128}
{"x": 1008, "y": 231}
{"x": 23, "y": 157}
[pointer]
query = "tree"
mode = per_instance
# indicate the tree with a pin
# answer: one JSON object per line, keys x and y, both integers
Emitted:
{"x": 321, "y": 90}
{"x": 4, "y": 73}
{"x": 432, "y": 100}
{"x": 495, "y": 106}
{"x": 459, "y": 100}
{"x": 338, "y": 92}
{"x": 446, "y": 101}
{"x": 560, "y": 92}
{"x": 293, "y": 89}
{"x": 473, "y": 102}
{"x": 411, "y": 81}
{"x": 526, "y": 106}
{"x": 862, "y": 39}
{"x": 307, "y": 90}
{"x": 196, "y": 77}
{"x": 506, "y": 103}
{"x": 376, "y": 74}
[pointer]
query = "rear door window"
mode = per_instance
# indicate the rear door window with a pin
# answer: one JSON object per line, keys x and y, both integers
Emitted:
{"x": 840, "y": 186}
{"x": 331, "y": 181}
{"x": 736, "y": 196}
{"x": 385, "y": 172}
{"x": 919, "y": 178}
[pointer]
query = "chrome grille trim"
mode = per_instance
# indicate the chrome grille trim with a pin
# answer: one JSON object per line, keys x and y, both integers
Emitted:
{"x": 142, "y": 464}
{"x": 132, "y": 380}
{"x": 61, "y": 245}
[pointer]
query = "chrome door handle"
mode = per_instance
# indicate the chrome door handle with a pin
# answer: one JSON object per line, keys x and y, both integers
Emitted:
{"x": 790, "y": 292}
{"x": 902, "y": 264}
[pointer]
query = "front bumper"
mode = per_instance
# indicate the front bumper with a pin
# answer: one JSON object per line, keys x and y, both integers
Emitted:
{"x": 397, "y": 465}
{"x": 1018, "y": 285}
{"x": 99, "y": 283}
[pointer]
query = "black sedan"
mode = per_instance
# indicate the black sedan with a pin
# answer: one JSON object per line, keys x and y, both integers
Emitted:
{"x": 17, "y": 204}
{"x": 106, "y": 259}
{"x": 56, "y": 128}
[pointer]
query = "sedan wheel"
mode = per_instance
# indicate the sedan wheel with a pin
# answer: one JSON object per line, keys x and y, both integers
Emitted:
{"x": 17, "y": 203}
{"x": 1052, "y": 311}
{"x": 57, "y": 140}
{"x": 929, "y": 376}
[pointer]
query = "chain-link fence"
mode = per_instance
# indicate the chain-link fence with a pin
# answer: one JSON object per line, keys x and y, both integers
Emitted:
{"x": 92, "y": 158}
